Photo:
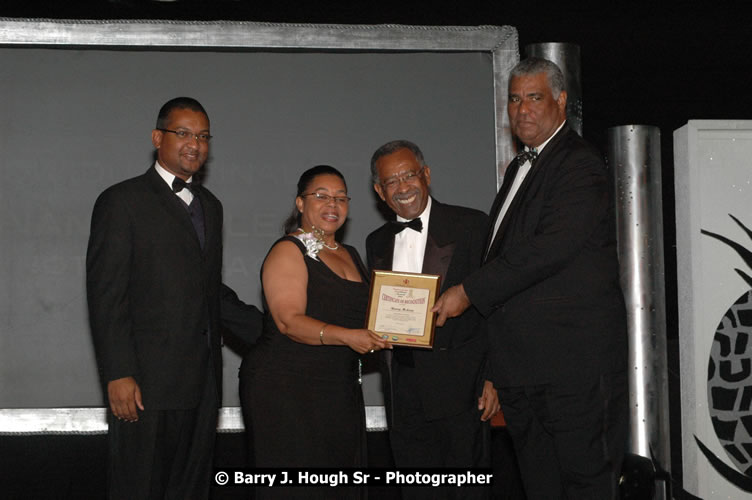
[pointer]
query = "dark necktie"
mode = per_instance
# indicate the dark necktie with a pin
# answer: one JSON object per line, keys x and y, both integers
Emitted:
{"x": 194, "y": 207}
{"x": 197, "y": 218}
{"x": 529, "y": 155}
{"x": 397, "y": 226}
{"x": 179, "y": 184}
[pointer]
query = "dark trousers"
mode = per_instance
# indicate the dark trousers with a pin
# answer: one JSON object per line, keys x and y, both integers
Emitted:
{"x": 459, "y": 441}
{"x": 569, "y": 436}
{"x": 166, "y": 454}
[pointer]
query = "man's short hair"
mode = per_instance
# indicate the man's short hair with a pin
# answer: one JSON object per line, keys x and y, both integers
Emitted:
{"x": 536, "y": 65}
{"x": 178, "y": 103}
{"x": 393, "y": 147}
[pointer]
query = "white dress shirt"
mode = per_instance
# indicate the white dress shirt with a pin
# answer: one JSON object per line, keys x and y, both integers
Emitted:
{"x": 518, "y": 179}
{"x": 410, "y": 245}
{"x": 185, "y": 194}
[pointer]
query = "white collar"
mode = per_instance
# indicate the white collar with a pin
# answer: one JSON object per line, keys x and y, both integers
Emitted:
{"x": 166, "y": 174}
{"x": 423, "y": 216}
{"x": 543, "y": 145}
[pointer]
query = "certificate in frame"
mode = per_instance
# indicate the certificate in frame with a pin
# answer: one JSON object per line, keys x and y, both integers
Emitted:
{"x": 399, "y": 307}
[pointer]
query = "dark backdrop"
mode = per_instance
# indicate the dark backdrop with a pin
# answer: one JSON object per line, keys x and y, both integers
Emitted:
{"x": 653, "y": 63}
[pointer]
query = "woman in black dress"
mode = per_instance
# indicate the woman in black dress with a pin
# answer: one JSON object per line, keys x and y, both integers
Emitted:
{"x": 300, "y": 385}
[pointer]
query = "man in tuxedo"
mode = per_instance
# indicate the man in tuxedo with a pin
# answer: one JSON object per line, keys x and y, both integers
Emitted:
{"x": 153, "y": 283}
{"x": 549, "y": 287}
{"x": 437, "y": 400}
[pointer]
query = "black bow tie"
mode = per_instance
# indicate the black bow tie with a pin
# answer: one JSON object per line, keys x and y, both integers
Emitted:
{"x": 397, "y": 226}
{"x": 179, "y": 184}
{"x": 529, "y": 155}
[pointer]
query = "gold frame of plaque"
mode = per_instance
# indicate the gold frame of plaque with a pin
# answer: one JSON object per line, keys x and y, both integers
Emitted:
{"x": 397, "y": 303}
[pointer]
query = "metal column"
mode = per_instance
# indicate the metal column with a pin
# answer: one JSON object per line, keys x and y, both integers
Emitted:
{"x": 567, "y": 57}
{"x": 634, "y": 156}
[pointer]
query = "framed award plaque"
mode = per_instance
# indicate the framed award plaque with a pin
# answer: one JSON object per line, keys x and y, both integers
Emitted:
{"x": 399, "y": 308}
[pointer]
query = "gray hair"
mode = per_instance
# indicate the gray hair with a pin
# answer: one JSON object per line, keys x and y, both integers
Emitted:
{"x": 536, "y": 65}
{"x": 392, "y": 147}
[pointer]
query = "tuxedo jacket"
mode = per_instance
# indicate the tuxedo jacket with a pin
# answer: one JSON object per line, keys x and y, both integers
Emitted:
{"x": 449, "y": 375}
{"x": 549, "y": 286}
{"x": 153, "y": 293}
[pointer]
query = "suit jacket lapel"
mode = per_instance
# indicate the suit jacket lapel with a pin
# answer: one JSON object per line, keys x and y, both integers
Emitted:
{"x": 501, "y": 196}
{"x": 171, "y": 203}
{"x": 383, "y": 250}
{"x": 530, "y": 179}
{"x": 210, "y": 224}
{"x": 440, "y": 243}
{"x": 511, "y": 211}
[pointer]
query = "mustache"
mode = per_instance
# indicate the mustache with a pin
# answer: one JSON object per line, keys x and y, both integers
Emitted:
{"x": 404, "y": 196}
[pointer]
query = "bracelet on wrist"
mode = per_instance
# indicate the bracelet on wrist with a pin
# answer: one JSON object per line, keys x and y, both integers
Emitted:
{"x": 321, "y": 333}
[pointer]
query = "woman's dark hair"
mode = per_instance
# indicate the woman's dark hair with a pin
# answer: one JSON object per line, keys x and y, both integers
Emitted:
{"x": 304, "y": 183}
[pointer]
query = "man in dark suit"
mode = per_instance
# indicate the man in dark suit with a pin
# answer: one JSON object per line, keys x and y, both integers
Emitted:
{"x": 153, "y": 283}
{"x": 549, "y": 288}
{"x": 437, "y": 400}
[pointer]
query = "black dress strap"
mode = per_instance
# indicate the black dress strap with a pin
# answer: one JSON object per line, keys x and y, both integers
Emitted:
{"x": 355, "y": 256}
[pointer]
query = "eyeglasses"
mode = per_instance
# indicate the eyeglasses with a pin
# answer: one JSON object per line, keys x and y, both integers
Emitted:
{"x": 185, "y": 134}
{"x": 407, "y": 177}
{"x": 339, "y": 200}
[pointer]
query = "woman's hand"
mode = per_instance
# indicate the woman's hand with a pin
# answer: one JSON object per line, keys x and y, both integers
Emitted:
{"x": 363, "y": 341}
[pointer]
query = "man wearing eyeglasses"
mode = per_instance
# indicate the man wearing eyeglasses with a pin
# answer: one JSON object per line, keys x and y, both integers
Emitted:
{"x": 153, "y": 284}
{"x": 438, "y": 401}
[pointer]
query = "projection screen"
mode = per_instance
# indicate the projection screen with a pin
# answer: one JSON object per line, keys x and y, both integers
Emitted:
{"x": 79, "y": 101}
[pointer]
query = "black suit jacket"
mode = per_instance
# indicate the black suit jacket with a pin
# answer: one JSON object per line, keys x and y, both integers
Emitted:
{"x": 450, "y": 373}
{"x": 153, "y": 293}
{"x": 550, "y": 283}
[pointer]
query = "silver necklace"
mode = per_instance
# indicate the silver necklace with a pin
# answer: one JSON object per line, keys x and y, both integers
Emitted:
{"x": 319, "y": 235}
